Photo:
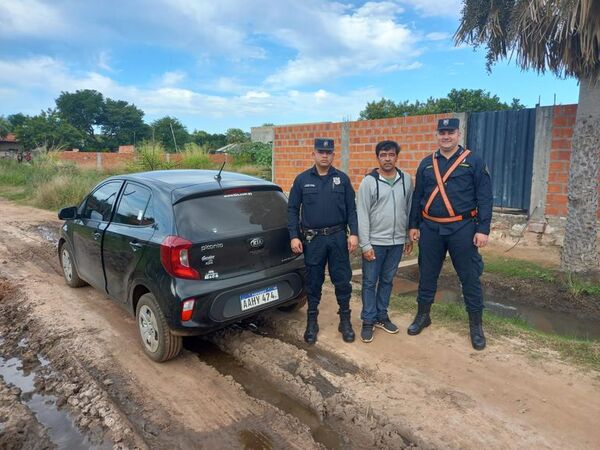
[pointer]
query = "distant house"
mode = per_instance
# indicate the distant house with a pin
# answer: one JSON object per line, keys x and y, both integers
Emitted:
{"x": 9, "y": 146}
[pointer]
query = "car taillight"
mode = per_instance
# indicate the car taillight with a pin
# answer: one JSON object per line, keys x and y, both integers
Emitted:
{"x": 187, "y": 309}
{"x": 174, "y": 257}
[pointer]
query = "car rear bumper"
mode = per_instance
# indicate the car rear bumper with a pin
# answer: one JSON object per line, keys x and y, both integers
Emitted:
{"x": 218, "y": 309}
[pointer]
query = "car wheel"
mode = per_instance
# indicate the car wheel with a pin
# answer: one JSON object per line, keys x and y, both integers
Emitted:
{"x": 68, "y": 267}
{"x": 294, "y": 306}
{"x": 156, "y": 338}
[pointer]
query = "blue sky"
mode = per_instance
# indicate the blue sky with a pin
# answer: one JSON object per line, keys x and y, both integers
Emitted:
{"x": 241, "y": 63}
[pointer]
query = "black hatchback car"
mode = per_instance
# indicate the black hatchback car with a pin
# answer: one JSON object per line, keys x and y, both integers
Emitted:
{"x": 186, "y": 251}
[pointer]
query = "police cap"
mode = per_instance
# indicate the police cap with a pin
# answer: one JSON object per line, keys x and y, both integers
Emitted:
{"x": 448, "y": 124}
{"x": 324, "y": 144}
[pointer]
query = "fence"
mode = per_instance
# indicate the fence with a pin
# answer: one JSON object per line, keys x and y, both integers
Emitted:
{"x": 545, "y": 147}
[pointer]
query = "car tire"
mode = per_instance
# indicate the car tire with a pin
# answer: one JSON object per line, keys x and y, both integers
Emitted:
{"x": 294, "y": 306}
{"x": 67, "y": 263}
{"x": 157, "y": 340}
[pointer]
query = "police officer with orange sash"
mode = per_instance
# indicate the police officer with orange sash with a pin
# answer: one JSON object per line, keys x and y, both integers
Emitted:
{"x": 451, "y": 213}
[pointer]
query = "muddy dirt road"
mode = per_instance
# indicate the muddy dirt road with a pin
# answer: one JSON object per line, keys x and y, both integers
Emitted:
{"x": 74, "y": 376}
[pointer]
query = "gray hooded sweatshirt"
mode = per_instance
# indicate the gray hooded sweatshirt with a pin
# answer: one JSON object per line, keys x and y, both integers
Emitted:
{"x": 383, "y": 212}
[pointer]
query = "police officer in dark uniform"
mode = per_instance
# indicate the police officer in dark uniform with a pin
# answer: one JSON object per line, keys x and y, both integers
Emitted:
{"x": 451, "y": 212}
{"x": 322, "y": 223}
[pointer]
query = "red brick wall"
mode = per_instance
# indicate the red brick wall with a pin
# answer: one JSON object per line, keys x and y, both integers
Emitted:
{"x": 293, "y": 145}
{"x": 416, "y": 135}
{"x": 563, "y": 124}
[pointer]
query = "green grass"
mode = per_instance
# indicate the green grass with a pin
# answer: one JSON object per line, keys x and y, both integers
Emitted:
{"x": 525, "y": 270}
{"x": 516, "y": 268}
{"x": 50, "y": 184}
{"x": 585, "y": 353}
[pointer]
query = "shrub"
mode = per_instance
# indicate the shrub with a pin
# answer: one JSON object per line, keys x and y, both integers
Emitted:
{"x": 195, "y": 156}
{"x": 253, "y": 153}
{"x": 150, "y": 157}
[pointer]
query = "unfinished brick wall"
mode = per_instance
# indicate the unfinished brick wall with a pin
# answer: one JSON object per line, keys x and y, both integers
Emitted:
{"x": 563, "y": 125}
{"x": 416, "y": 135}
{"x": 293, "y": 145}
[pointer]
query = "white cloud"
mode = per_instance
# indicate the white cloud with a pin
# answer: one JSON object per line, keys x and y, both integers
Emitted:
{"x": 256, "y": 95}
{"x": 103, "y": 61}
{"x": 172, "y": 78}
{"x": 437, "y": 36}
{"x": 355, "y": 41}
{"x": 44, "y": 78}
{"x": 29, "y": 18}
{"x": 448, "y": 8}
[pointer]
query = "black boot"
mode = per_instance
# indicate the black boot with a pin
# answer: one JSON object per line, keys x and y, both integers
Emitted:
{"x": 312, "y": 327}
{"x": 422, "y": 320}
{"x": 476, "y": 330}
{"x": 346, "y": 326}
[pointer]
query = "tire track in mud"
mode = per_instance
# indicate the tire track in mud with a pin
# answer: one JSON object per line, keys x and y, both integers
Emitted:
{"x": 145, "y": 424}
{"x": 59, "y": 399}
{"x": 379, "y": 402}
{"x": 317, "y": 379}
{"x": 312, "y": 380}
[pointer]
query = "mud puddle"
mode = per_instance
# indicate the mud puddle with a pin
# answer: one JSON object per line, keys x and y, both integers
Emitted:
{"x": 59, "y": 426}
{"x": 545, "y": 320}
{"x": 259, "y": 388}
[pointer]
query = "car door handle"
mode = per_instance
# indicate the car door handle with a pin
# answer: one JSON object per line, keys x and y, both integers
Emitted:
{"x": 135, "y": 246}
{"x": 97, "y": 236}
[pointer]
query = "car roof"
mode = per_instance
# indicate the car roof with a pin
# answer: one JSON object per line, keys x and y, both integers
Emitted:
{"x": 194, "y": 181}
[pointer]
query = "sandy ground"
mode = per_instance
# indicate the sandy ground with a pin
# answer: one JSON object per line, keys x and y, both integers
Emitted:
{"x": 429, "y": 391}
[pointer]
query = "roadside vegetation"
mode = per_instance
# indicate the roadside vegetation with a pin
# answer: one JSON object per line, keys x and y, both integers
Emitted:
{"x": 51, "y": 184}
{"x": 525, "y": 270}
{"x": 585, "y": 353}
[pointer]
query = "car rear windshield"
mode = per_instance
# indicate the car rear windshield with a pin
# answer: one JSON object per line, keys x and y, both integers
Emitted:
{"x": 231, "y": 214}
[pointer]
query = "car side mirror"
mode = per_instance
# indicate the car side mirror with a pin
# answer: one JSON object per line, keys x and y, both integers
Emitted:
{"x": 68, "y": 213}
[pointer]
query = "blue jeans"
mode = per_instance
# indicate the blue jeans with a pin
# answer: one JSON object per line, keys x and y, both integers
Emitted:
{"x": 378, "y": 278}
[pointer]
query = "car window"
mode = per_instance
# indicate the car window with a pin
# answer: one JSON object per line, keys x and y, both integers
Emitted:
{"x": 99, "y": 203}
{"x": 134, "y": 206}
{"x": 213, "y": 217}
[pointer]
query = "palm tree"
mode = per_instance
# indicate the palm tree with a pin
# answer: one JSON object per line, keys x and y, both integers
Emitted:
{"x": 563, "y": 37}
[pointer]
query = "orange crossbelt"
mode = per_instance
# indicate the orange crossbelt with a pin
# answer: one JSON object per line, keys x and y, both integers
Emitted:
{"x": 440, "y": 187}
{"x": 449, "y": 219}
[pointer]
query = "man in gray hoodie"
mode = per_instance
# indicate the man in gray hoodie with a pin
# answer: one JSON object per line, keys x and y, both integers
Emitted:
{"x": 383, "y": 206}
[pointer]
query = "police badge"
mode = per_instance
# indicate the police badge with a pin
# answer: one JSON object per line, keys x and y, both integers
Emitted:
{"x": 336, "y": 180}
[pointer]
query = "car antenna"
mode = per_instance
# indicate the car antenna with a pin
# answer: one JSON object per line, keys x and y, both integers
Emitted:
{"x": 218, "y": 176}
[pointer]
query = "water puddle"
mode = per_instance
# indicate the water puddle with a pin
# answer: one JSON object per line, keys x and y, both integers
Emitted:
{"x": 541, "y": 319}
{"x": 257, "y": 387}
{"x": 59, "y": 426}
{"x": 48, "y": 234}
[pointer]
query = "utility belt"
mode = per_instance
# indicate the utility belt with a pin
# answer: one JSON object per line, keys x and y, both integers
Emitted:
{"x": 457, "y": 218}
{"x": 310, "y": 233}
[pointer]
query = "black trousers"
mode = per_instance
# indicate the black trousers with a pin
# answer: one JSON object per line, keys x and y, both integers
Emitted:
{"x": 332, "y": 251}
{"x": 465, "y": 258}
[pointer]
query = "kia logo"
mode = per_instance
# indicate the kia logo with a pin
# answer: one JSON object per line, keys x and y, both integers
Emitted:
{"x": 257, "y": 242}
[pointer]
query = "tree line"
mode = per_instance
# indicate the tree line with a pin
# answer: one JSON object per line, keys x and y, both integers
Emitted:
{"x": 87, "y": 120}
{"x": 457, "y": 100}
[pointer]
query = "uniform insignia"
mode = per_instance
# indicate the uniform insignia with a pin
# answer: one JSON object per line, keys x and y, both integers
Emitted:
{"x": 446, "y": 122}
{"x": 336, "y": 180}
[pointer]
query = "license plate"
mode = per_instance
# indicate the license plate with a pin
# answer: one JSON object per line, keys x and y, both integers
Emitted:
{"x": 258, "y": 298}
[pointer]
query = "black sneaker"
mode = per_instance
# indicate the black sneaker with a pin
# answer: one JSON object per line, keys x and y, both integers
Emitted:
{"x": 387, "y": 325}
{"x": 366, "y": 333}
